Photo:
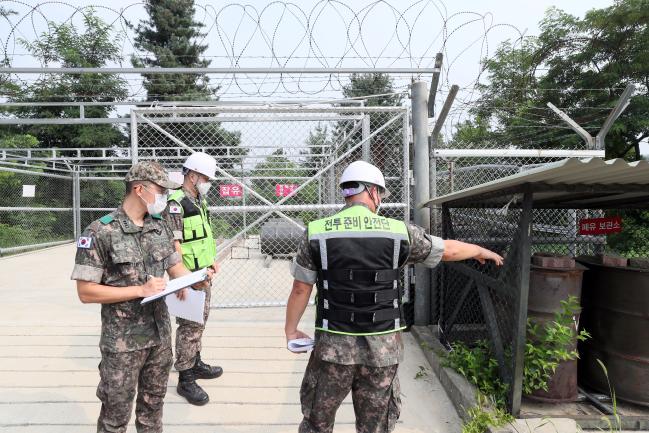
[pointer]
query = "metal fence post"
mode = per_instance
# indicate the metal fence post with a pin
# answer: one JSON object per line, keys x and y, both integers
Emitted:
{"x": 422, "y": 193}
{"x": 134, "y": 144}
{"x": 76, "y": 203}
{"x": 331, "y": 181}
{"x": 406, "y": 190}
{"x": 367, "y": 156}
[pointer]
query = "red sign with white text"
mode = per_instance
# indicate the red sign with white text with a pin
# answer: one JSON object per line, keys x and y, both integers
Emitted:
{"x": 600, "y": 226}
{"x": 231, "y": 190}
{"x": 284, "y": 190}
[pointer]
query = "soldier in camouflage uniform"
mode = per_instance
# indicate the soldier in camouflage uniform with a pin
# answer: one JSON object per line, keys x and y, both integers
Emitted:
{"x": 358, "y": 345}
{"x": 189, "y": 219}
{"x": 121, "y": 258}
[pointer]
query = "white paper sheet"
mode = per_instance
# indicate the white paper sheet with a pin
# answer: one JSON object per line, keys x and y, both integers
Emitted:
{"x": 190, "y": 308}
{"x": 178, "y": 283}
{"x": 300, "y": 345}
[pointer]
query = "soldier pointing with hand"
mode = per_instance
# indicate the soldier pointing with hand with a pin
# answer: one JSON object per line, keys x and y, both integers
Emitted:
{"x": 355, "y": 257}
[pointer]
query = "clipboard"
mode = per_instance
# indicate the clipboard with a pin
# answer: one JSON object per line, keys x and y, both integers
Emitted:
{"x": 178, "y": 284}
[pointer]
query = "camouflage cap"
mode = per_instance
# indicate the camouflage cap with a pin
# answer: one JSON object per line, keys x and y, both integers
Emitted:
{"x": 151, "y": 171}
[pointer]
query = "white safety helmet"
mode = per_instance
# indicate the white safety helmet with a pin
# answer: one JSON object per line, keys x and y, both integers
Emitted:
{"x": 202, "y": 163}
{"x": 363, "y": 173}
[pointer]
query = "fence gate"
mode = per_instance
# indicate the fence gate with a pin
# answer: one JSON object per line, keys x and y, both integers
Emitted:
{"x": 277, "y": 171}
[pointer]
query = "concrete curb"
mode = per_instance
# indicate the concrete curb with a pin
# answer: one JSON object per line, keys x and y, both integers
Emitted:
{"x": 463, "y": 396}
{"x": 461, "y": 393}
{"x": 459, "y": 390}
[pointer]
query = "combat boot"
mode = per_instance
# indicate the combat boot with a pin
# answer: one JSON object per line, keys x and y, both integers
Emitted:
{"x": 205, "y": 371}
{"x": 188, "y": 388}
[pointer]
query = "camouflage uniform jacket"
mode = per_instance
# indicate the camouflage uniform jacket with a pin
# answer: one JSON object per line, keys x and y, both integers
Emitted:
{"x": 375, "y": 350}
{"x": 118, "y": 253}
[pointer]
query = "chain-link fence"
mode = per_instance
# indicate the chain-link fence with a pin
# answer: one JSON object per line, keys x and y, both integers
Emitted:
{"x": 278, "y": 170}
{"x": 458, "y": 173}
{"x": 484, "y": 305}
{"x": 36, "y": 210}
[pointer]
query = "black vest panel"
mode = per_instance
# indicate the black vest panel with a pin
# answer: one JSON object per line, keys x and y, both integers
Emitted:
{"x": 360, "y": 291}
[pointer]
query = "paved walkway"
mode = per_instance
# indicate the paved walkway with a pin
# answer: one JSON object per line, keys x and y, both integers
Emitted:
{"x": 49, "y": 357}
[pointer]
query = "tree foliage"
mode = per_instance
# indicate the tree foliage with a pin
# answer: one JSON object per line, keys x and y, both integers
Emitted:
{"x": 577, "y": 64}
{"x": 70, "y": 47}
{"x": 168, "y": 39}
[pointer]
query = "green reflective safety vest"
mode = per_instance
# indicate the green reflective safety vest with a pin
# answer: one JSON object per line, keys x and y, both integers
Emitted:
{"x": 198, "y": 246}
{"x": 358, "y": 256}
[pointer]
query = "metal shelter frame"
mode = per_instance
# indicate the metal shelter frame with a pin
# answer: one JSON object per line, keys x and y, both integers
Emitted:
{"x": 502, "y": 294}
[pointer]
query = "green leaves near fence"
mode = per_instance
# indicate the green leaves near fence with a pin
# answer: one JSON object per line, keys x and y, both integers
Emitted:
{"x": 547, "y": 345}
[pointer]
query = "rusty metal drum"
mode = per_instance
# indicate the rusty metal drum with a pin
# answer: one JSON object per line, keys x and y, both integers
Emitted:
{"x": 552, "y": 280}
{"x": 616, "y": 313}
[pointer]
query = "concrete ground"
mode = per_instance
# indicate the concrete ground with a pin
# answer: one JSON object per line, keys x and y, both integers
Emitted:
{"x": 49, "y": 357}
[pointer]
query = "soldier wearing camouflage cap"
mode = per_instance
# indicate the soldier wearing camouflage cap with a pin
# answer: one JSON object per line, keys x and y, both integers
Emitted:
{"x": 355, "y": 258}
{"x": 121, "y": 258}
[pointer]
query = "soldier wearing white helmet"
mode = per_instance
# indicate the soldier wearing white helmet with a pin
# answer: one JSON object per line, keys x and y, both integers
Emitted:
{"x": 188, "y": 216}
{"x": 355, "y": 258}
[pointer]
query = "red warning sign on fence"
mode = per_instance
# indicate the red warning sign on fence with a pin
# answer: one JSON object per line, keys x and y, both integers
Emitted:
{"x": 230, "y": 190}
{"x": 284, "y": 190}
{"x": 600, "y": 226}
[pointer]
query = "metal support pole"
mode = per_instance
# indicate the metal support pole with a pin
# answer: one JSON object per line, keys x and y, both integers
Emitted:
{"x": 76, "y": 203}
{"x": 367, "y": 156}
{"x": 520, "y": 304}
{"x": 134, "y": 144}
{"x": 243, "y": 197}
{"x": 406, "y": 191}
{"x": 422, "y": 193}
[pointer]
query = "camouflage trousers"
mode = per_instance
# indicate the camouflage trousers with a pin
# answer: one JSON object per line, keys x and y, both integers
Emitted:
{"x": 375, "y": 395}
{"x": 121, "y": 374}
{"x": 188, "y": 337}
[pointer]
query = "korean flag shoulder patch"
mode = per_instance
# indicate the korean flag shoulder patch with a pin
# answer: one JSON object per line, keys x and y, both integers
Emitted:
{"x": 84, "y": 242}
{"x": 175, "y": 209}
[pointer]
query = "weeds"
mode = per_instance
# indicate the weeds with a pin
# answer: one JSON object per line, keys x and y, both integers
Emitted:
{"x": 421, "y": 373}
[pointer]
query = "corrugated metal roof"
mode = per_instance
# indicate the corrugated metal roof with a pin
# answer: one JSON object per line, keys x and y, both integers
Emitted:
{"x": 592, "y": 171}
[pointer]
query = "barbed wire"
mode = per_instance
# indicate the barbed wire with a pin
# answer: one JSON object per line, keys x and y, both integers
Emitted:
{"x": 324, "y": 33}
{"x": 311, "y": 34}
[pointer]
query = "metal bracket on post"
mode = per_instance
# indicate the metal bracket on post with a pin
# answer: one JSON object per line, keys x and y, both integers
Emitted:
{"x": 621, "y": 105}
{"x": 590, "y": 141}
{"x": 598, "y": 141}
{"x": 434, "y": 83}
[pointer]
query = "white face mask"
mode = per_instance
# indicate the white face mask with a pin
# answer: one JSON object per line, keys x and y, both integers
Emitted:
{"x": 203, "y": 188}
{"x": 159, "y": 203}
